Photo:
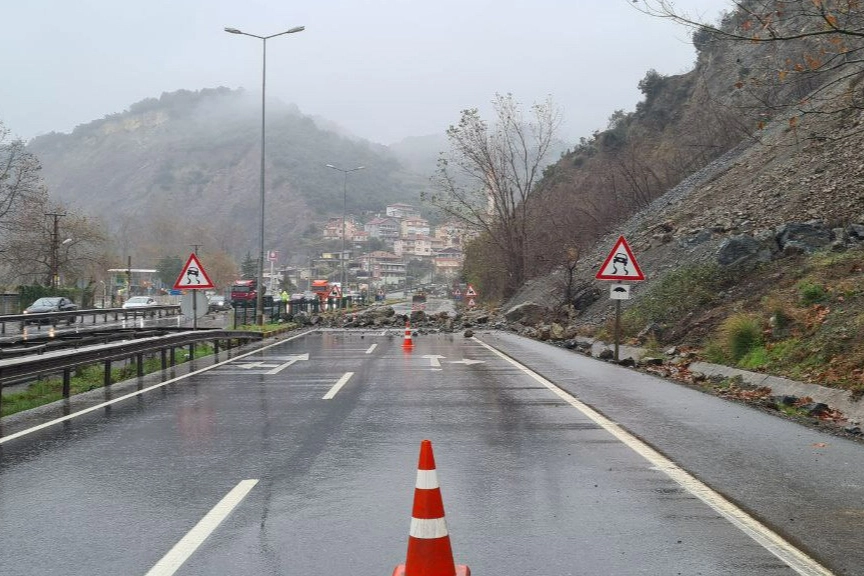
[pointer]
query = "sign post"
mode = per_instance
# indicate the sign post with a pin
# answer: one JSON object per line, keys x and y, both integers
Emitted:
{"x": 620, "y": 265}
{"x": 193, "y": 277}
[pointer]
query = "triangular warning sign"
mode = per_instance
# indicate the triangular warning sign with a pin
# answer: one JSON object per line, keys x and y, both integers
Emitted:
{"x": 193, "y": 276}
{"x": 620, "y": 264}
{"x": 470, "y": 291}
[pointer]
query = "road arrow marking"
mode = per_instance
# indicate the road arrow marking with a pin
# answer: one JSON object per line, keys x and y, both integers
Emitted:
{"x": 293, "y": 359}
{"x": 433, "y": 360}
{"x": 467, "y": 361}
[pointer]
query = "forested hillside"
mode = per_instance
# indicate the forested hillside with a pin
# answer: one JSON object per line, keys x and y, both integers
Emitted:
{"x": 189, "y": 162}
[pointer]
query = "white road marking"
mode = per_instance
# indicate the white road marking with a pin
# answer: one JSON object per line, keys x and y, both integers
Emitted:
{"x": 142, "y": 391}
{"x": 764, "y": 536}
{"x": 171, "y": 562}
{"x": 289, "y": 363}
{"x": 433, "y": 360}
{"x": 467, "y": 361}
{"x": 338, "y": 386}
{"x": 371, "y": 348}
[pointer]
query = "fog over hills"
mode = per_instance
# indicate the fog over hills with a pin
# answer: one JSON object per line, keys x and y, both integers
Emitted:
{"x": 192, "y": 160}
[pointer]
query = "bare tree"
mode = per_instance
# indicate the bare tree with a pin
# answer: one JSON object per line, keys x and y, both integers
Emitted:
{"x": 816, "y": 66}
{"x": 32, "y": 252}
{"x": 19, "y": 177}
{"x": 489, "y": 175}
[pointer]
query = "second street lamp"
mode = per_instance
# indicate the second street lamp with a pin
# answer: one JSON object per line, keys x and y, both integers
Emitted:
{"x": 259, "y": 301}
{"x": 345, "y": 172}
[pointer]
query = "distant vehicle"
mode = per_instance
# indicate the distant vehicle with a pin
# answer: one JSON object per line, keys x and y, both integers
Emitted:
{"x": 244, "y": 293}
{"x": 418, "y": 301}
{"x": 140, "y": 302}
{"x": 218, "y": 304}
{"x": 297, "y": 296}
{"x": 50, "y": 304}
{"x": 325, "y": 289}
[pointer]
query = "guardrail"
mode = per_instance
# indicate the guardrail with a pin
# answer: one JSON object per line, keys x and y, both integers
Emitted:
{"x": 64, "y": 361}
{"x": 53, "y": 318}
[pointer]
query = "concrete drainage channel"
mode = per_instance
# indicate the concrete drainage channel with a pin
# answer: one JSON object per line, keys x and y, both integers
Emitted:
{"x": 844, "y": 401}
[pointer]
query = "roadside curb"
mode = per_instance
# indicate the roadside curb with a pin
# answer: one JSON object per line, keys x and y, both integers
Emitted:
{"x": 842, "y": 400}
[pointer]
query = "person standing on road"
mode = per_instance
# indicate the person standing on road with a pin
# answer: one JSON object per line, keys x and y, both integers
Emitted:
{"x": 284, "y": 297}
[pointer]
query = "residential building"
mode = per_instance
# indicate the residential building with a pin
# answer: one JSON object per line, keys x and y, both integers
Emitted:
{"x": 414, "y": 226}
{"x": 400, "y": 210}
{"x": 384, "y": 268}
{"x": 413, "y": 245}
{"x": 383, "y": 228}
{"x": 333, "y": 228}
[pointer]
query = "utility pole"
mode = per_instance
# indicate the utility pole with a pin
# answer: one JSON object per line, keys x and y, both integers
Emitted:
{"x": 55, "y": 247}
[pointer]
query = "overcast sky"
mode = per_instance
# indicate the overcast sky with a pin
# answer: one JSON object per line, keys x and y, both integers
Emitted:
{"x": 382, "y": 69}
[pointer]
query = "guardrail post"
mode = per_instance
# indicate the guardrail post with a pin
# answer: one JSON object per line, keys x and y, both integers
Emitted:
{"x": 139, "y": 361}
{"x": 191, "y": 351}
{"x": 171, "y": 356}
{"x": 216, "y": 347}
{"x": 164, "y": 356}
{"x": 107, "y": 378}
{"x": 66, "y": 382}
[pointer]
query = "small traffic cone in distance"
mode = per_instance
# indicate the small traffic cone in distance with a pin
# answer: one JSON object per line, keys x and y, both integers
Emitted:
{"x": 408, "y": 344}
{"x": 429, "y": 552}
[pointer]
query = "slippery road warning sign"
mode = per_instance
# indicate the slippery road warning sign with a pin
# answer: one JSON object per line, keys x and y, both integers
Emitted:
{"x": 620, "y": 264}
{"x": 193, "y": 276}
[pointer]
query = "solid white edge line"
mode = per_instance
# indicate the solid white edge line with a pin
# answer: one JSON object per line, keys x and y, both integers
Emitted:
{"x": 764, "y": 536}
{"x": 142, "y": 391}
{"x": 171, "y": 562}
{"x": 338, "y": 386}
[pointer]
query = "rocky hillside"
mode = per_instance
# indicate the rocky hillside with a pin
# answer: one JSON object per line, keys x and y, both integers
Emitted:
{"x": 772, "y": 232}
{"x": 756, "y": 260}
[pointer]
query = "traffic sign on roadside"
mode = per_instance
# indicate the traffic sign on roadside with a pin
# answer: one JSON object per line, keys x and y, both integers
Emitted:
{"x": 193, "y": 276}
{"x": 620, "y": 264}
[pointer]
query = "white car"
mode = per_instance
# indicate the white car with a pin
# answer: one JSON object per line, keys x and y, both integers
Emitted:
{"x": 140, "y": 302}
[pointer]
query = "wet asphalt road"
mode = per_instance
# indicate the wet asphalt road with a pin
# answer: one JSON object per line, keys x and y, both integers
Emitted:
{"x": 531, "y": 485}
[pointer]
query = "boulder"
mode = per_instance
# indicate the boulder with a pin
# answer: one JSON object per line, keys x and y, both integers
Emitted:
{"x": 741, "y": 250}
{"x": 803, "y": 236}
{"x": 526, "y": 313}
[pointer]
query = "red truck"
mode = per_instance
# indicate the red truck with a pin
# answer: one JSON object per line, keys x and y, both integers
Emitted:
{"x": 244, "y": 293}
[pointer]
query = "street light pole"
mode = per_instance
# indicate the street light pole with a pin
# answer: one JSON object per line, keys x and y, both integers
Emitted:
{"x": 344, "y": 203}
{"x": 259, "y": 301}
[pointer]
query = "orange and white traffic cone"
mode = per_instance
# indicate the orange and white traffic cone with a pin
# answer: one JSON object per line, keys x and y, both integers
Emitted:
{"x": 408, "y": 344}
{"x": 429, "y": 552}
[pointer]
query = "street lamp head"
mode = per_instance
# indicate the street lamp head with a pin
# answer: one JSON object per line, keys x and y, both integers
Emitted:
{"x": 233, "y": 31}
{"x": 295, "y": 29}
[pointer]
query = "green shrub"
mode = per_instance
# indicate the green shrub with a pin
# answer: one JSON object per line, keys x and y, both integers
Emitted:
{"x": 739, "y": 335}
{"x": 811, "y": 293}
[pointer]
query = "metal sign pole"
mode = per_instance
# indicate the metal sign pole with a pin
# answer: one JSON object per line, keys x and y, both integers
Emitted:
{"x": 617, "y": 326}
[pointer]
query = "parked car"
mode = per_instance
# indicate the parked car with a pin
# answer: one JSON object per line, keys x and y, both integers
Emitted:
{"x": 50, "y": 304}
{"x": 218, "y": 304}
{"x": 140, "y": 302}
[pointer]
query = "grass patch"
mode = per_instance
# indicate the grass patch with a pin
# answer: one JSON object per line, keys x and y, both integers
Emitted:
{"x": 48, "y": 390}
{"x": 677, "y": 294}
{"x": 811, "y": 293}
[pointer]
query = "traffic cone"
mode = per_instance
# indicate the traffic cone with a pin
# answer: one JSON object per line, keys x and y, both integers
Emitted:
{"x": 408, "y": 344}
{"x": 429, "y": 552}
